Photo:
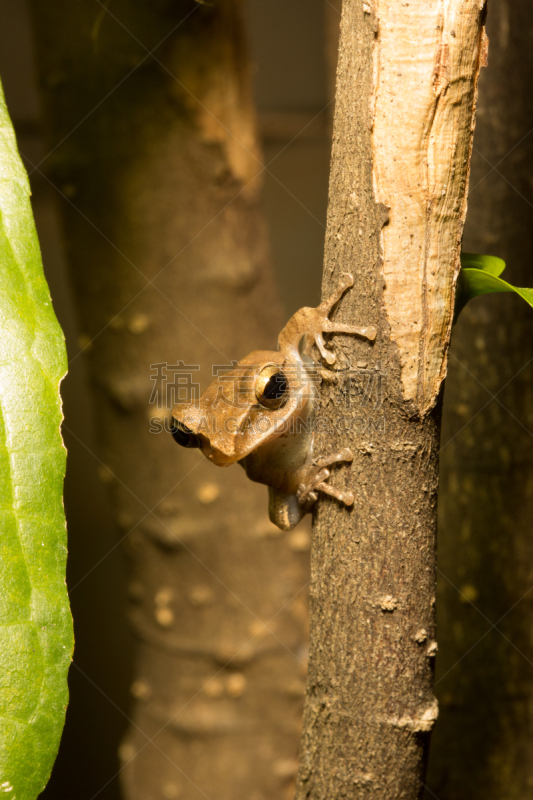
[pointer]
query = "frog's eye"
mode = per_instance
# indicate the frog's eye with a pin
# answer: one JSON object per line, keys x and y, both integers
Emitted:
{"x": 183, "y": 435}
{"x": 271, "y": 387}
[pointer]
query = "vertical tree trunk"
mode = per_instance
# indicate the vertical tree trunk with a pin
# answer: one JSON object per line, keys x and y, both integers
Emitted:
{"x": 405, "y": 105}
{"x": 483, "y": 746}
{"x": 157, "y": 161}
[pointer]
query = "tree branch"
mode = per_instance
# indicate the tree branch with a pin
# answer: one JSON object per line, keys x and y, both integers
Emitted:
{"x": 369, "y": 707}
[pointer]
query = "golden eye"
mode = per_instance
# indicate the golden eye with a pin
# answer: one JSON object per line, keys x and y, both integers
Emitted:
{"x": 271, "y": 387}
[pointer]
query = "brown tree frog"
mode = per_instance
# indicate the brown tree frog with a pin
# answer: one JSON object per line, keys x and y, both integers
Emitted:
{"x": 261, "y": 412}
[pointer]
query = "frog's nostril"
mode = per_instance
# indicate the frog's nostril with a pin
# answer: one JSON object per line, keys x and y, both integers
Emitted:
{"x": 183, "y": 435}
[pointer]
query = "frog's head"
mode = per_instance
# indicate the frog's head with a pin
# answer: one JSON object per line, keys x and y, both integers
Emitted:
{"x": 244, "y": 408}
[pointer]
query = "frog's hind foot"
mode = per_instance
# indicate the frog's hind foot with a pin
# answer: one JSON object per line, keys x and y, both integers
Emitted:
{"x": 308, "y": 494}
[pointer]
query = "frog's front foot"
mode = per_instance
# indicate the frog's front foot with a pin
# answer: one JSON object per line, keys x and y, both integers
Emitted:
{"x": 308, "y": 493}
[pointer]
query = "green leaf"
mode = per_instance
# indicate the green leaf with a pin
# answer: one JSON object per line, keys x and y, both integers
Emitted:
{"x": 480, "y": 275}
{"x": 490, "y": 264}
{"x": 35, "y": 624}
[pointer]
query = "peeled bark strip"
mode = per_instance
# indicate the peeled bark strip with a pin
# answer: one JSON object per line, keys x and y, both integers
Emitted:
{"x": 162, "y": 167}
{"x": 427, "y": 61}
{"x": 369, "y": 706}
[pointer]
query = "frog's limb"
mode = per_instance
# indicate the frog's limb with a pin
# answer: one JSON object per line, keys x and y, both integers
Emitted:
{"x": 346, "y": 282}
{"x": 332, "y": 327}
{"x": 312, "y": 323}
{"x": 346, "y": 498}
{"x": 284, "y": 509}
{"x": 308, "y": 493}
{"x": 327, "y": 355}
{"x": 326, "y": 461}
{"x": 328, "y": 326}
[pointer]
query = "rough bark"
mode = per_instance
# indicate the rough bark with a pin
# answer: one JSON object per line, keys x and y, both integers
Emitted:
{"x": 332, "y": 19}
{"x": 157, "y": 161}
{"x": 483, "y": 744}
{"x": 369, "y": 706}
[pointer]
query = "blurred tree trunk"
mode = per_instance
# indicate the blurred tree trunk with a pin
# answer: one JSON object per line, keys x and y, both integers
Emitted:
{"x": 157, "y": 161}
{"x": 404, "y": 112}
{"x": 483, "y": 743}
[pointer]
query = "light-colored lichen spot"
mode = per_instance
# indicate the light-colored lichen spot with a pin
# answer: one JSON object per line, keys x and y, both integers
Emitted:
{"x": 421, "y": 722}
{"x": 432, "y": 648}
{"x": 388, "y": 603}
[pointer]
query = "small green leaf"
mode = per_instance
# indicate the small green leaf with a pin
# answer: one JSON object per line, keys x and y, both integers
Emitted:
{"x": 480, "y": 275}
{"x": 490, "y": 264}
{"x": 35, "y": 624}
